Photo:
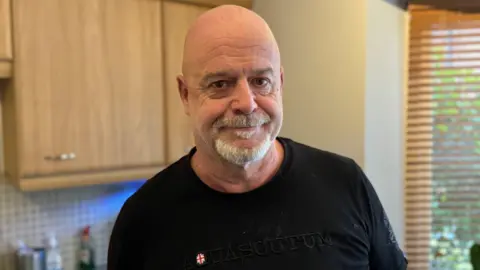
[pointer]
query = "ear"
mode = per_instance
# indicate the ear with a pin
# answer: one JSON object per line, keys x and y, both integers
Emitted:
{"x": 183, "y": 91}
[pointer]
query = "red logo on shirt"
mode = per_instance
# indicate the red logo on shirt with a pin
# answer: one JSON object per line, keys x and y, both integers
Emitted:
{"x": 201, "y": 259}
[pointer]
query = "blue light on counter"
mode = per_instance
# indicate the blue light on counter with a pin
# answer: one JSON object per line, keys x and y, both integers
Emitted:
{"x": 113, "y": 198}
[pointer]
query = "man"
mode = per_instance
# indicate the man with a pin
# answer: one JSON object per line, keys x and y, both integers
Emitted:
{"x": 245, "y": 198}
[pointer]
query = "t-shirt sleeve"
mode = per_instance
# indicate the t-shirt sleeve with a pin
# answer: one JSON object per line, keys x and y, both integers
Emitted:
{"x": 385, "y": 252}
{"x": 123, "y": 251}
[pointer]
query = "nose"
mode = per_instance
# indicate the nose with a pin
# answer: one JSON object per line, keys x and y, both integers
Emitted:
{"x": 244, "y": 101}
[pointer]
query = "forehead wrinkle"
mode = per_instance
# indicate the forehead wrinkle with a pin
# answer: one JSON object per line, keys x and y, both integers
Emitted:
{"x": 237, "y": 72}
{"x": 214, "y": 53}
{"x": 233, "y": 72}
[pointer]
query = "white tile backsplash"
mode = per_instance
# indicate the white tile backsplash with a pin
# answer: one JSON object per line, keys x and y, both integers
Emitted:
{"x": 29, "y": 216}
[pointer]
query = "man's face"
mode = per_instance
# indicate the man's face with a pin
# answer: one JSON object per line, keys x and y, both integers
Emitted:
{"x": 234, "y": 97}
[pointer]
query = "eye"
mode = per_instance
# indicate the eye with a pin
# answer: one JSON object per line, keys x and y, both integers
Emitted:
{"x": 260, "y": 82}
{"x": 219, "y": 84}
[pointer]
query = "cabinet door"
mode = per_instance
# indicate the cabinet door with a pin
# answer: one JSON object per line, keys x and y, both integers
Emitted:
{"x": 5, "y": 30}
{"x": 177, "y": 18}
{"x": 88, "y": 85}
{"x": 5, "y": 39}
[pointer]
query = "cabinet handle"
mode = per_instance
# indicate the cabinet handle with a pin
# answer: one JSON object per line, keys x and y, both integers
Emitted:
{"x": 61, "y": 157}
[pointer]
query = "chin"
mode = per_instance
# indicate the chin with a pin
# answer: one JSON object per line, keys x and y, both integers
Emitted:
{"x": 243, "y": 151}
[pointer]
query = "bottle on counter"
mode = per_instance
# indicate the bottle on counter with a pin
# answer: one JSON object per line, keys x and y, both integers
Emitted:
{"x": 27, "y": 258}
{"x": 87, "y": 260}
{"x": 24, "y": 256}
{"x": 53, "y": 257}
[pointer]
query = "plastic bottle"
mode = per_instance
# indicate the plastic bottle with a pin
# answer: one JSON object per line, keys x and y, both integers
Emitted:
{"x": 21, "y": 248}
{"x": 87, "y": 260}
{"x": 24, "y": 256}
{"x": 53, "y": 258}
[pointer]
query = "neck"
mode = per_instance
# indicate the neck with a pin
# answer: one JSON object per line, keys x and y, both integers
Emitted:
{"x": 229, "y": 178}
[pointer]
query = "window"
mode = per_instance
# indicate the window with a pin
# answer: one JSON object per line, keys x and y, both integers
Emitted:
{"x": 443, "y": 139}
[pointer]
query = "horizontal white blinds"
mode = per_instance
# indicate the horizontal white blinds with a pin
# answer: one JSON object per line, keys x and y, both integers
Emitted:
{"x": 443, "y": 139}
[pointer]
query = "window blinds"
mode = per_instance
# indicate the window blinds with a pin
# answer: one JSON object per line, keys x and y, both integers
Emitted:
{"x": 443, "y": 139}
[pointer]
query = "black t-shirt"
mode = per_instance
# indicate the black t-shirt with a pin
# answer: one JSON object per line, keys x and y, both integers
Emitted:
{"x": 318, "y": 212}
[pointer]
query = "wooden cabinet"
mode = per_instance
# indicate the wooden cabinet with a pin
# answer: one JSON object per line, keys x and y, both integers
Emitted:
{"x": 177, "y": 18}
{"x": 5, "y": 39}
{"x": 94, "y": 97}
{"x": 86, "y": 103}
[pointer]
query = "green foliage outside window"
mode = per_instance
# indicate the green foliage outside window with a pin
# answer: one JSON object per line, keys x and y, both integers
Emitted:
{"x": 456, "y": 121}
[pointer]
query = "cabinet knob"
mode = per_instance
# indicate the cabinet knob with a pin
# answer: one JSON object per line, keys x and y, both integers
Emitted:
{"x": 61, "y": 157}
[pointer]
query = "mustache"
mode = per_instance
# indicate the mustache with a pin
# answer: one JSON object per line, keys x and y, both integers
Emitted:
{"x": 242, "y": 121}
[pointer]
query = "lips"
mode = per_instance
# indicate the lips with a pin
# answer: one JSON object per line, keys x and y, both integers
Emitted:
{"x": 245, "y": 134}
{"x": 245, "y": 128}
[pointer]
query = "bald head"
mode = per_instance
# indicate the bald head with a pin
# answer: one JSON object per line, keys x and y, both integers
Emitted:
{"x": 226, "y": 25}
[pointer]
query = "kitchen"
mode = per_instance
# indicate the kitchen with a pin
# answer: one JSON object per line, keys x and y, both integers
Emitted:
{"x": 73, "y": 156}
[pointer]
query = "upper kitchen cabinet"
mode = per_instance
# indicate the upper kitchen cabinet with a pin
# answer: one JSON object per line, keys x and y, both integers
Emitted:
{"x": 86, "y": 102}
{"x": 5, "y": 39}
{"x": 177, "y": 18}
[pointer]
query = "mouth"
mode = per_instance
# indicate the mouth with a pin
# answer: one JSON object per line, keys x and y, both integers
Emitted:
{"x": 242, "y": 133}
{"x": 244, "y": 128}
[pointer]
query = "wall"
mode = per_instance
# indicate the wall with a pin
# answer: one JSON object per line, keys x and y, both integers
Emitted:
{"x": 28, "y": 216}
{"x": 322, "y": 46}
{"x": 385, "y": 103}
{"x": 343, "y": 63}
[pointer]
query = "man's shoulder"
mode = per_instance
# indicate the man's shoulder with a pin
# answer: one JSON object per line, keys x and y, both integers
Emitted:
{"x": 162, "y": 187}
{"x": 315, "y": 156}
{"x": 331, "y": 171}
{"x": 153, "y": 201}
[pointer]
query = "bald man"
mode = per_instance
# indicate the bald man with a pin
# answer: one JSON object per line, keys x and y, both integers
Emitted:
{"x": 245, "y": 198}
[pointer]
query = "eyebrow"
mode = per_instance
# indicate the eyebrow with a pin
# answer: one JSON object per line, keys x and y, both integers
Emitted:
{"x": 231, "y": 73}
{"x": 262, "y": 71}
